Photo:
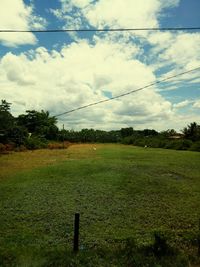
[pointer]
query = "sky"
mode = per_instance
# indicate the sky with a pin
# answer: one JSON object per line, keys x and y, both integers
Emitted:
{"x": 63, "y": 71}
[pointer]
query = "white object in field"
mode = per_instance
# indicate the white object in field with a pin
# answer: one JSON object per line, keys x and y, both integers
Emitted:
{"x": 145, "y": 146}
{"x": 94, "y": 148}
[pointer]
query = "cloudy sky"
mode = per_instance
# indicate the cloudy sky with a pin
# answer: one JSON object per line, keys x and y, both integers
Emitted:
{"x": 62, "y": 71}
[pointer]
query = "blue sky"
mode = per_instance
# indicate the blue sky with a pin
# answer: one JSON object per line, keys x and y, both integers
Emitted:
{"x": 60, "y": 71}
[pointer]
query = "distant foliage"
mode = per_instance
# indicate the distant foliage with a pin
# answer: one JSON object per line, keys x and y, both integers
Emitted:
{"x": 6, "y": 121}
{"x": 35, "y": 142}
{"x": 35, "y": 130}
{"x": 195, "y": 146}
{"x": 28, "y": 131}
{"x": 162, "y": 141}
{"x": 39, "y": 123}
{"x": 126, "y": 132}
{"x": 192, "y": 132}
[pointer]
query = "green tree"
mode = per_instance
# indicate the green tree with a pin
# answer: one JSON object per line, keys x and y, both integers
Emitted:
{"x": 126, "y": 132}
{"x": 6, "y": 120}
{"x": 168, "y": 133}
{"x": 192, "y": 131}
{"x": 149, "y": 132}
{"x": 17, "y": 135}
{"x": 39, "y": 123}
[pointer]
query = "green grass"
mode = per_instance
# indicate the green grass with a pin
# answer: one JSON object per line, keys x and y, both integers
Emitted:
{"x": 120, "y": 192}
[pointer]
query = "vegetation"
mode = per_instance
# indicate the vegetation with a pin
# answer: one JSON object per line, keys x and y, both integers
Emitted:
{"x": 138, "y": 207}
{"x": 31, "y": 130}
{"x": 35, "y": 130}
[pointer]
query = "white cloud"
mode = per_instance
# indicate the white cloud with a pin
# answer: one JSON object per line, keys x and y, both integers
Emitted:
{"x": 183, "y": 49}
{"x": 116, "y": 13}
{"x": 15, "y": 15}
{"x": 182, "y": 104}
{"x": 197, "y": 104}
{"x": 177, "y": 50}
{"x": 76, "y": 14}
{"x": 66, "y": 4}
{"x": 170, "y": 3}
{"x": 17, "y": 69}
{"x": 79, "y": 74}
{"x": 119, "y": 13}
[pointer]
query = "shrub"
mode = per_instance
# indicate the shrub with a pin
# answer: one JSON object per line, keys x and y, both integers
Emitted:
{"x": 139, "y": 142}
{"x": 5, "y": 148}
{"x": 2, "y": 148}
{"x": 10, "y": 147}
{"x": 35, "y": 142}
{"x": 195, "y": 146}
{"x": 156, "y": 142}
{"x": 128, "y": 140}
{"x": 183, "y": 144}
{"x": 17, "y": 135}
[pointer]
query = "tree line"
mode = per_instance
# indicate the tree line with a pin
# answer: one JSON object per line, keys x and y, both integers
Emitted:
{"x": 36, "y": 129}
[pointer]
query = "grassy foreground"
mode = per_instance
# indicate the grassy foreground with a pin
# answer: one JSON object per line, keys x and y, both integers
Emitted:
{"x": 122, "y": 193}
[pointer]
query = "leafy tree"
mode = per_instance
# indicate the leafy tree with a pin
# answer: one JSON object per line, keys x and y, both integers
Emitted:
{"x": 6, "y": 120}
{"x": 168, "y": 133}
{"x": 192, "y": 131}
{"x": 17, "y": 135}
{"x": 5, "y": 106}
{"x": 149, "y": 132}
{"x": 39, "y": 123}
{"x": 126, "y": 131}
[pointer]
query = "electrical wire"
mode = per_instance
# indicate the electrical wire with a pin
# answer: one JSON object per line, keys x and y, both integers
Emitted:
{"x": 101, "y": 30}
{"x": 127, "y": 93}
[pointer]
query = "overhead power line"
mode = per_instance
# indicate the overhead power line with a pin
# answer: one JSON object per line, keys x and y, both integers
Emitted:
{"x": 127, "y": 93}
{"x": 102, "y": 30}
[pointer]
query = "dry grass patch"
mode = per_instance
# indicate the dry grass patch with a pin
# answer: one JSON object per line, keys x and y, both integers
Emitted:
{"x": 19, "y": 161}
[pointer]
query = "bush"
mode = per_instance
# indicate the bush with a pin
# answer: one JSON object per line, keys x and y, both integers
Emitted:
{"x": 156, "y": 142}
{"x": 35, "y": 142}
{"x": 2, "y": 148}
{"x": 195, "y": 146}
{"x": 10, "y": 147}
{"x": 139, "y": 142}
{"x": 128, "y": 140}
{"x": 5, "y": 148}
{"x": 17, "y": 135}
{"x": 183, "y": 144}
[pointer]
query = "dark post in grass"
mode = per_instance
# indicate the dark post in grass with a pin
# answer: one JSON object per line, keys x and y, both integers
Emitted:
{"x": 199, "y": 239}
{"x": 76, "y": 232}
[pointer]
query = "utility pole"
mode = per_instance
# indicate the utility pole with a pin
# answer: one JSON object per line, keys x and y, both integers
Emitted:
{"x": 63, "y": 136}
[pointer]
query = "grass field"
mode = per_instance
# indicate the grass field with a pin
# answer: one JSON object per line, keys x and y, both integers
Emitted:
{"x": 120, "y": 191}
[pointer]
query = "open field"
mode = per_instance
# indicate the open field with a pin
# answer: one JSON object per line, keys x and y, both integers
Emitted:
{"x": 120, "y": 192}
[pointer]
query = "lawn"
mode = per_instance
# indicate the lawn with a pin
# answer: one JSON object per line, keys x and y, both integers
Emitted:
{"x": 120, "y": 192}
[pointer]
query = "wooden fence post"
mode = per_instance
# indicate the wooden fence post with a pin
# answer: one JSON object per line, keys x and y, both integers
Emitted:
{"x": 76, "y": 232}
{"x": 199, "y": 239}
